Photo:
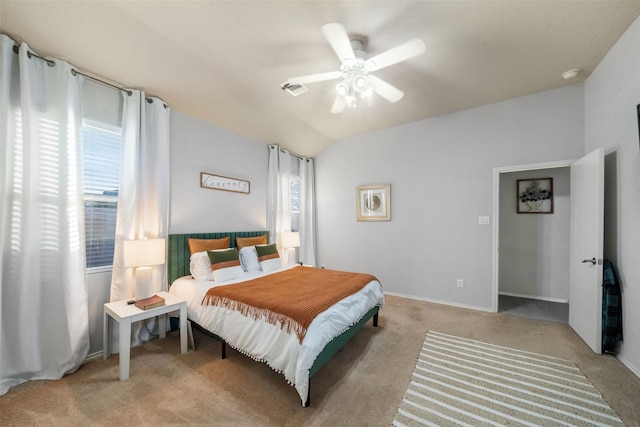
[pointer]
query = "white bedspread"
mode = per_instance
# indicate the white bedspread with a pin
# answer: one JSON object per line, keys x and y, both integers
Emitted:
{"x": 268, "y": 343}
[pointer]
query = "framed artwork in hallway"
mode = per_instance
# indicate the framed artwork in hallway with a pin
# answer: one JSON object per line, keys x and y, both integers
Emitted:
{"x": 535, "y": 196}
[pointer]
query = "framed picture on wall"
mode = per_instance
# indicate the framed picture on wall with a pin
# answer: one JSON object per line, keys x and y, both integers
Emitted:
{"x": 373, "y": 202}
{"x": 224, "y": 183}
{"x": 535, "y": 196}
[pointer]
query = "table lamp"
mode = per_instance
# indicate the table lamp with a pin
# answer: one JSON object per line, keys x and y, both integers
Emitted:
{"x": 290, "y": 240}
{"x": 141, "y": 255}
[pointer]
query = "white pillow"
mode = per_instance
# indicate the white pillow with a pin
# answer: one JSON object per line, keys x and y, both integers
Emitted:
{"x": 229, "y": 273}
{"x": 271, "y": 264}
{"x": 249, "y": 259}
{"x": 200, "y": 266}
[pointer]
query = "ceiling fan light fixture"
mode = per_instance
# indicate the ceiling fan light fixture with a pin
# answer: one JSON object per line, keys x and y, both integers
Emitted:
{"x": 360, "y": 83}
{"x": 357, "y": 81}
{"x": 347, "y": 65}
{"x": 342, "y": 88}
{"x": 350, "y": 100}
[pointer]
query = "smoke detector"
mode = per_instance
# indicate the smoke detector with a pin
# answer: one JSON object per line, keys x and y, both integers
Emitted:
{"x": 571, "y": 74}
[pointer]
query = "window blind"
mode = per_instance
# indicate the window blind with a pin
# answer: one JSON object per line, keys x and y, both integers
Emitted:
{"x": 295, "y": 202}
{"x": 102, "y": 155}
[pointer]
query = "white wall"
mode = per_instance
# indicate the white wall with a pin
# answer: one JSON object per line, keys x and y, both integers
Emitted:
{"x": 441, "y": 173}
{"x": 611, "y": 95}
{"x": 534, "y": 248}
{"x": 98, "y": 293}
{"x": 198, "y": 146}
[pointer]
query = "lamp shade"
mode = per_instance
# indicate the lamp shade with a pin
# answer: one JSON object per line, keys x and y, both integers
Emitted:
{"x": 291, "y": 239}
{"x": 144, "y": 253}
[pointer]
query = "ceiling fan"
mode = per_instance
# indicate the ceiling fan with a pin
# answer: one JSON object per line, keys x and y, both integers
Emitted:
{"x": 356, "y": 69}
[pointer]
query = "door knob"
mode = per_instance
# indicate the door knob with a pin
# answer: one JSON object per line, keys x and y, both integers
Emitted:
{"x": 592, "y": 261}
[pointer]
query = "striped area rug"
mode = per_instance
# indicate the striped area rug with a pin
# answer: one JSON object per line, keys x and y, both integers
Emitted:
{"x": 462, "y": 382}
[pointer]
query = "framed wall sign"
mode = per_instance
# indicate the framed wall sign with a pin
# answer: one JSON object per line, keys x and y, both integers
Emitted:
{"x": 373, "y": 202}
{"x": 224, "y": 183}
{"x": 535, "y": 196}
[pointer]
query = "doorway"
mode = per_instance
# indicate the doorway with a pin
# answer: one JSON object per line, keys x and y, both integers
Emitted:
{"x": 531, "y": 250}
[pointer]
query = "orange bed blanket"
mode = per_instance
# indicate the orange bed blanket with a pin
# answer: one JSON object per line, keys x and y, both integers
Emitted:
{"x": 291, "y": 298}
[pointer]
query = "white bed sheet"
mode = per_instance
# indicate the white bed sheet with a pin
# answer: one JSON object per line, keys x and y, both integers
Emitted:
{"x": 268, "y": 343}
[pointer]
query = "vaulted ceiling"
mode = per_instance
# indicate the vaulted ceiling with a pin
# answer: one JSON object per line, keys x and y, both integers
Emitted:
{"x": 224, "y": 61}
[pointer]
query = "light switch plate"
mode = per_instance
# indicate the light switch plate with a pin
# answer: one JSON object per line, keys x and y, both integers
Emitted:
{"x": 483, "y": 220}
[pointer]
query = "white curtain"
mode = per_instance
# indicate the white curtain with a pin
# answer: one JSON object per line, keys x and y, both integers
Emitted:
{"x": 307, "y": 228}
{"x": 279, "y": 201}
{"x": 44, "y": 309}
{"x": 143, "y": 197}
{"x": 279, "y": 197}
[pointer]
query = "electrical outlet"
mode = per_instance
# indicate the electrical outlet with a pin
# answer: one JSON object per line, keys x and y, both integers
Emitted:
{"x": 460, "y": 283}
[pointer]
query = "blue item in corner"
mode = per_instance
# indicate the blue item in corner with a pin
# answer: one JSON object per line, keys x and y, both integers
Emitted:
{"x": 611, "y": 308}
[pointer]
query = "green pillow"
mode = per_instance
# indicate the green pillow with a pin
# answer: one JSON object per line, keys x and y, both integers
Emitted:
{"x": 269, "y": 257}
{"x": 225, "y": 264}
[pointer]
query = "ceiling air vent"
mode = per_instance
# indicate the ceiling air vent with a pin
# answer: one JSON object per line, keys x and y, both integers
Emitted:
{"x": 294, "y": 89}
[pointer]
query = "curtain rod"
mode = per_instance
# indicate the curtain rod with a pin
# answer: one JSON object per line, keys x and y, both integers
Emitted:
{"x": 49, "y": 62}
{"x": 294, "y": 154}
{"x": 307, "y": 159}
{"x": 290, "y": 152}
{"x": 74, "y": 72}
{"x": 127, "y": 91}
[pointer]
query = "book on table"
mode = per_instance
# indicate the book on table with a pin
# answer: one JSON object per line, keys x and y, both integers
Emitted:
{"x": 149, "y": 303}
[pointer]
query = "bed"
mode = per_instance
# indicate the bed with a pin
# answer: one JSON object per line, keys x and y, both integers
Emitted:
{"x": 298, "y": 359}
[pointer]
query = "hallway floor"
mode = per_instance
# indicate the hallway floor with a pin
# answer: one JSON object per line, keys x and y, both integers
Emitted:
{"x": 534, "y": 309}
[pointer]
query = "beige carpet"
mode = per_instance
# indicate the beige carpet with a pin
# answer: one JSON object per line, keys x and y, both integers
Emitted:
{"x": 458, "y": 381}
{"x": 362, "y": 385}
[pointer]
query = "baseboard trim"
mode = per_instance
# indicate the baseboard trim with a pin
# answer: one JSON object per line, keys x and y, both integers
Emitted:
{"x": 629, "y": 366}
{"x": 511, "y": 294}
{"x": 471, "y": 307}
{"x": 95, "y": 355}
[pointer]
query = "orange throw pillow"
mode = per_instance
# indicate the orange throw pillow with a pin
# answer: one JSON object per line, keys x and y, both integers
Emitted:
{"x": 241, "y": 242}
{"x": 201, "y": 245}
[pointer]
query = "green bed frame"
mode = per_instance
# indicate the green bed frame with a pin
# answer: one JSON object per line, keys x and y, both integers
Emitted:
{"x": 336, "y": 344}
{"x": 178, "y": 266}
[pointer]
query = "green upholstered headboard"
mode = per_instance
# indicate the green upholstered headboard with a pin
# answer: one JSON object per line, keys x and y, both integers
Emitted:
{"x": 179, "y": 256}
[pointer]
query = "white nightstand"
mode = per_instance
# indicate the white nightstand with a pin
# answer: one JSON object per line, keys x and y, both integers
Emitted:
{"x": 125, "y": 314}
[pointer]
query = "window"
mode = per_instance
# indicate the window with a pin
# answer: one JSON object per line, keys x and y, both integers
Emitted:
{"x": 294, "y": 191}
{"x": 102, "y": 145}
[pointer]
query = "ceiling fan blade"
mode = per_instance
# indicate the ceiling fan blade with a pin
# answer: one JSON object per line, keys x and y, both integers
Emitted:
{"x": 384, "y": 89}
{"x": 338, "y": 105}
{"x": 402, "y": 52}
{"x": 312, "y": 78}
{"x": 337, "y": 36}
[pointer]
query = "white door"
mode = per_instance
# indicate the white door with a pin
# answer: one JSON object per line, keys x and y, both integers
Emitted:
{"x": 587, "y": 234}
